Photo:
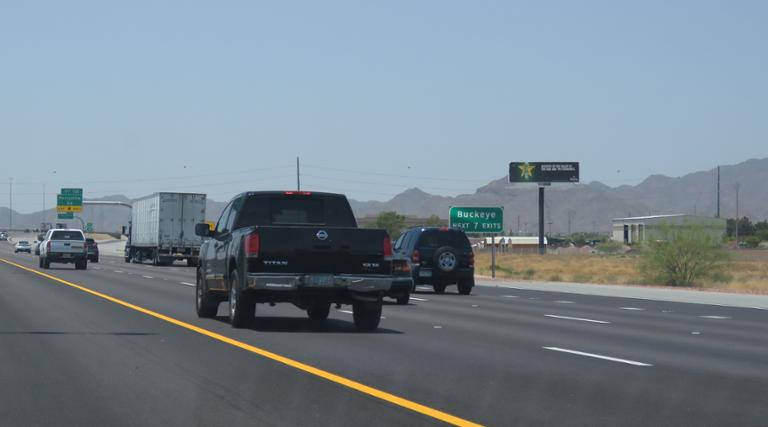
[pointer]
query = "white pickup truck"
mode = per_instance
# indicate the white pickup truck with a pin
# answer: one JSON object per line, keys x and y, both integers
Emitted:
{"x": 64, "y": 246}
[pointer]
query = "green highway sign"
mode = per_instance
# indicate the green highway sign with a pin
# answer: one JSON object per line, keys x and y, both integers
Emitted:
{"x": 70, "y": 200}
{"x": 75, "y": 192}
{"x": 66, "y": 215}
{"x": 477, "y": 219}
{"x": 89, "y": 227}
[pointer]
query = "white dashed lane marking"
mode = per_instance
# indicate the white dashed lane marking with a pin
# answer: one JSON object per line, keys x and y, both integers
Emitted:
{"x": 715, "y": 317}
{"x": 148, "y": 277}
{"x": 419, "y": 299}
{"x": 580, "y": 319}
{"x": 598, "y": 356}
{"x": 632, "y": 308}
{"x": 187, "y": 284}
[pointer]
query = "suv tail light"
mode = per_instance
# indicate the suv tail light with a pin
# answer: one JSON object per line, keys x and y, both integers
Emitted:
{"x": 252, "y": 245}
{"x": 416, "y": 257}
{"x": 471, "y": 259}
{"x": 400, "y": 266}
{"x": 387, "y": 247}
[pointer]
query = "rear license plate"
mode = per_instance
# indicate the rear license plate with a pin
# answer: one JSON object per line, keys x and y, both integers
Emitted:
{"x": 319, "y": 279}
{"x": 425, "y": 273}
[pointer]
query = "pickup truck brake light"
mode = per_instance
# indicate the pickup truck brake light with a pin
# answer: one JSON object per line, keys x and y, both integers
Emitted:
{"x": 387, "y": 247}
{"x": 252, "y": 245}
{"x": 416, "y": 256}
{"x": 471, "y": 259}
{"x": 298, "y": 193}
{"x": 48, "y": 246}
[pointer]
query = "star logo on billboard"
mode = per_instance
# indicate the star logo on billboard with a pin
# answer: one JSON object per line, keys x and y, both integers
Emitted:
{"x": 526, "y": 170}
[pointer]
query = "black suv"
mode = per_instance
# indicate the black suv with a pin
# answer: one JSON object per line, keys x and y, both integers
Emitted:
{"x": 438, "y": 257}
{"x": 93, "y": 250}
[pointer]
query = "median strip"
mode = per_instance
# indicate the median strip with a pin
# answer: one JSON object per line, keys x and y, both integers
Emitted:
{"x": 597, "y": 356}
{"x": 329, "y": 376}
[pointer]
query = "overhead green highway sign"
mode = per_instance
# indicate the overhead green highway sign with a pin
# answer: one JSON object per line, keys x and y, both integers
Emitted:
{"x": 70, "y": 200}
{"x": 477, "y": 219}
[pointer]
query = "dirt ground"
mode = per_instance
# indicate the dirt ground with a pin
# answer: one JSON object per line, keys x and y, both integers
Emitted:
{"x": 747, "y": 272}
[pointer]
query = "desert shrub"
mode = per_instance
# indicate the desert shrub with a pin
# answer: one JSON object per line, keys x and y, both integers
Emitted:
{"x": 529, "y": 273}
{"x": 682, "y": 256}
{"x": 610, "y": 247}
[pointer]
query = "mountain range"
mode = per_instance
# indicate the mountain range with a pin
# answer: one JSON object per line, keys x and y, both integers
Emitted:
{"x": 589, "y": 207}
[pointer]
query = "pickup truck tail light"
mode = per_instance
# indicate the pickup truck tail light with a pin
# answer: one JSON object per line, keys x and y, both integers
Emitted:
{"x": 471, "y": 259}
{"x": 400, "y": 266}
{"x": 252, "y": 245}
{"x": 416, "y": 257}
{"x": 48, "y": 246}
{"x": 387, "y": 247}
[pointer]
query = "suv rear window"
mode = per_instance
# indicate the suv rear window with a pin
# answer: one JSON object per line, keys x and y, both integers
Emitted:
{"x": 89, "y": 240}
{"x": 67, "y": 235}
{"x": 438, "y": 238}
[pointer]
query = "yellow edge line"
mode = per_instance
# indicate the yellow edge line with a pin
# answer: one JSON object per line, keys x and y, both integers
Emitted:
{"x": 391, "y": 398}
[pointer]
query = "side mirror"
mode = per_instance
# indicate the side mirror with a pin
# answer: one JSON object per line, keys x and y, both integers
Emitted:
{"x": 203, "y": 230}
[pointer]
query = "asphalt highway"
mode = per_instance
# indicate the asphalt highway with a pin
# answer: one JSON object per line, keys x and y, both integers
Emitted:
{"x": 120, "y": 344}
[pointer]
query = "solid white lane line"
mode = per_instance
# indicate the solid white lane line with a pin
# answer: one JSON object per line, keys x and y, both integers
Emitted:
{"x": 148, "y": 277}
{"x": 419, "y": 299}
{"x": 597, "y": 356}
{"x": 715, "y": 317}
{"x": 632, "y": 308}
{"x": 187, "y": 284}
{"x": 581, "y": 319}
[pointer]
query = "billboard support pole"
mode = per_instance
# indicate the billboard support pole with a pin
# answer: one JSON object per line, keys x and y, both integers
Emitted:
{"x": 542, "y": 246}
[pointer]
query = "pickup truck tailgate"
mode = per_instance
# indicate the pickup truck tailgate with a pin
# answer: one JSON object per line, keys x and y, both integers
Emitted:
{"x": 336, "y": 250}
{"x": 67, "y": 246}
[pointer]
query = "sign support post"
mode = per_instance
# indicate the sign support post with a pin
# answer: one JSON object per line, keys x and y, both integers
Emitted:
{"x": 542, "y": 245}
{"x": 493, "y": 256}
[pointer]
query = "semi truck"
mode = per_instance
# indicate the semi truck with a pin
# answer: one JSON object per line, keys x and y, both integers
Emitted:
{"x": 162, "y": 228}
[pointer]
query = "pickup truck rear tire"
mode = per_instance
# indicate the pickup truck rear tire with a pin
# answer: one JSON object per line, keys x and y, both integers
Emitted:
{"x": 206, "y": 305}
{"x": 81, "y": 265}
{"x": 40, "y": 262}
{"x": 318, "y": 311}
{"x": 242, "y": 308}
{"x": 366, "y": 315}
{"x": 46, "y": 263}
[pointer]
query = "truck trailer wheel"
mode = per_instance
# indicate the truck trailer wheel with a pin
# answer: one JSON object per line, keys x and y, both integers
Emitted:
{"x": 241, "y": 307}
{"x": 367, "y": 315}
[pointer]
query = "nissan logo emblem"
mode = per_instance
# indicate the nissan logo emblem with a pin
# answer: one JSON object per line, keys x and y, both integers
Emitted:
{"x": 322, "y": 235}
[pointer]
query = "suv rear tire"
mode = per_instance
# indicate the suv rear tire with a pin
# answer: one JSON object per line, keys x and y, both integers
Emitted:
{"x": 242, "y": 309}
{"x": 466, "y": 285}
{"x": 206, "y": 306}
{"x": 439, "y": 287}
{"x": 366, "y": 315}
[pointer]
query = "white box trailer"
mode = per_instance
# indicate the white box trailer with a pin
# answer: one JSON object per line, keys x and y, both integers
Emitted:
{"x": 163, "y": 228}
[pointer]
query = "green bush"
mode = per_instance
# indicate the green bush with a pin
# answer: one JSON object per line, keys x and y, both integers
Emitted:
{"x": 682, "y": 256}
{"x": 555, "y": 278}
{"x": 752, "y": 241}
{"x": 529, "y": 273}
{"x": 610, "y": 247}
{"x": 762, "y": 235}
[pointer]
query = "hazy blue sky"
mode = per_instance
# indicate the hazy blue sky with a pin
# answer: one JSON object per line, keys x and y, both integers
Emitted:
{"x": 220, "y": 97}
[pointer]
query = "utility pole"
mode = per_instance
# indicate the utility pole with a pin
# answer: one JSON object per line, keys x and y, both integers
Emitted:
{"x": 718, "y": 191}
{"x": 298, "y": 175}
{"x": 737, "y": 215}
{"x": 10, "y": 203}
{"x": 44, "y": 218}
{"x": 517, "y": 231}
{"x": 542, "y": 246}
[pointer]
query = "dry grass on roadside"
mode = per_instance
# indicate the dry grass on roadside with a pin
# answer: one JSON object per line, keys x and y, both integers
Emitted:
{"x": 748, "y": 271}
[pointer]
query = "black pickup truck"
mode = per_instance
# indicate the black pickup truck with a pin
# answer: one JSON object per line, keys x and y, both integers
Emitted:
{"x": 298, "y": 247}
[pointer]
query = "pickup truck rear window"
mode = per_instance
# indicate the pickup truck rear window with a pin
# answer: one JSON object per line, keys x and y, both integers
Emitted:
{"x": 66, "y": 235}
{"x": 296, "y": 210}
